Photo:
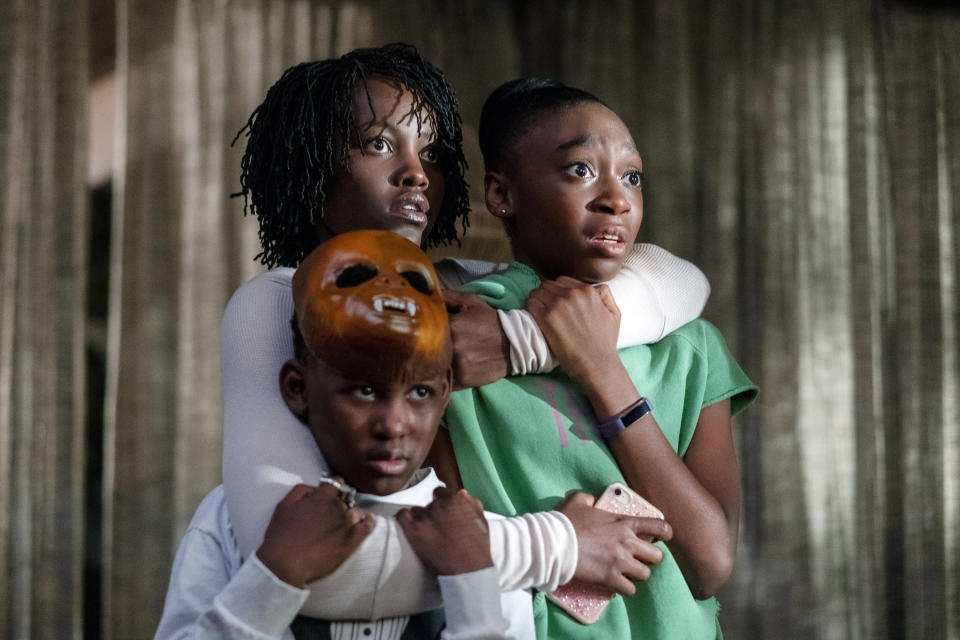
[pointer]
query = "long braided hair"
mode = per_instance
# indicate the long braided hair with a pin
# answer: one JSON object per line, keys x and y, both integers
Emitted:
{"x": 298, "y": 139}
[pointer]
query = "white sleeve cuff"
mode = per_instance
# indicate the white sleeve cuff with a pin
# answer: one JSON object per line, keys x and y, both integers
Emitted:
{"x": 535, "y": 550}
{"x": 529, "y": 352}
{"x": 471, "y": 604}
{"x": 258, "y": 599}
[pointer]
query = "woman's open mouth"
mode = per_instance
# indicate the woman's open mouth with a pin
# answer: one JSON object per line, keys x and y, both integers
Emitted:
{"x": 412, "y": 207}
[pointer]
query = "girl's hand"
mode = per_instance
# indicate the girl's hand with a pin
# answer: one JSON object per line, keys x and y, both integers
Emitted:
{"x": 481, "y": 353}
{"x": 615, "y": 550}
{"x": 311, "y": 533}
{"x": 580, "y": 322}
{"x": 450, "y": 535}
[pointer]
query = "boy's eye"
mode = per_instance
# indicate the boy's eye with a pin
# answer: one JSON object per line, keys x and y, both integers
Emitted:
{"x": 421, "y": 392}
{"x": 580, "y": 170}
{"x": 365, "y": 392}
{"x": 634, "y": 178}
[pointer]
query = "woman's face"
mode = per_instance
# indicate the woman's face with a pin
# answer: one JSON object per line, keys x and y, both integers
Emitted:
{"x": 573, "y": 188}
{"x": 394, "y": 181}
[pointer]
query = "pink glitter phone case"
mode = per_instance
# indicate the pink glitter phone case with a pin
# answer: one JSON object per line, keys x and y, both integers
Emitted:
{"x": 586, "y": 602}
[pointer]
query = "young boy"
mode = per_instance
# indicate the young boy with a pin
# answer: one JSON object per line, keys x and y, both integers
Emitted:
{"x": 370, "y": 380}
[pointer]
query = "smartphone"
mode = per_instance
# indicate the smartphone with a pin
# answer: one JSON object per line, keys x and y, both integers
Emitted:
{"x": 586, "y": 602}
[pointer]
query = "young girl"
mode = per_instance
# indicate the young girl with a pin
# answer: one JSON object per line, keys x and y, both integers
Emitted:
{"x": 367, "y": 141}
{"x": 558, "y": 158}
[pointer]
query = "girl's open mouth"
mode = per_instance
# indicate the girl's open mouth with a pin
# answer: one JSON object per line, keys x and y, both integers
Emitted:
{"x": 610, "y": 241}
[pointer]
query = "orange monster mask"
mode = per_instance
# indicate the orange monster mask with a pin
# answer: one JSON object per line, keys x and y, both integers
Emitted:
{"x": 372, "y": 299}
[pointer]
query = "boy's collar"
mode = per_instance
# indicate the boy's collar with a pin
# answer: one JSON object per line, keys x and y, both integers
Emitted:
{"x": 418, "y": 493}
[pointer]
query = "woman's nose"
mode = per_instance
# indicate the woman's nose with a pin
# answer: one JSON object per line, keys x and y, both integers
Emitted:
{"x": 411, "y": 173}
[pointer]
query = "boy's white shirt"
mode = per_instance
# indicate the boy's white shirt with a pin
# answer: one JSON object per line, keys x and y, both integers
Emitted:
{"x": 267, "y": 450}
{"x": 214, "y": 594}
{"x": 537, "y": 550}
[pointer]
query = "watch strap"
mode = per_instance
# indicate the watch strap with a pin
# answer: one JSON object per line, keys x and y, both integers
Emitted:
{"x": 616, "y": 424}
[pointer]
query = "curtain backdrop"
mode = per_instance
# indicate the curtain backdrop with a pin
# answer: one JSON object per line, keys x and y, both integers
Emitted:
{"x": 805, "y": 155}
{"x": 43, "y": 231}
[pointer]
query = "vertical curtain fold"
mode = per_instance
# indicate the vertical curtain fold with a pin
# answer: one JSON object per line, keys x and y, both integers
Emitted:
{"x": 193, "y": 71}
{"x": 43, "y": 108}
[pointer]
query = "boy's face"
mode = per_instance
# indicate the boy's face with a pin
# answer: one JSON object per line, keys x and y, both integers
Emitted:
{"x": 573, "y": 190}
{"x": 375, "y": 431}
{"x": 394, "y": 181}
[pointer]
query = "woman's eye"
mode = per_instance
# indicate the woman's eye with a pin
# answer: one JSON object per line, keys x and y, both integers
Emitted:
{"x": 580, "y": 170}
{"x": 376, "y": 145}
{"x": 634, "y": 178}
{"x": 430, "y": 154}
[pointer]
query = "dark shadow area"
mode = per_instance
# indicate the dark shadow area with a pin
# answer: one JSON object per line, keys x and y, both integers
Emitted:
{"x": 98, "y": 288}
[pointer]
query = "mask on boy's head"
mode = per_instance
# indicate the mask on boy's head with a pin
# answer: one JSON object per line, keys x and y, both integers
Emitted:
{"x": 372, "y": 299}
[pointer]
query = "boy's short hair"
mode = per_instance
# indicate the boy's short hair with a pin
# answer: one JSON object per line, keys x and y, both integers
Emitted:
{"x": 299, "y": 137}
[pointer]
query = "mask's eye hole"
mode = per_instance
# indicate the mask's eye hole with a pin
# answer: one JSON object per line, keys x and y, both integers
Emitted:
{"x": 417, "y": 281}
{"x": 354, "y": 275}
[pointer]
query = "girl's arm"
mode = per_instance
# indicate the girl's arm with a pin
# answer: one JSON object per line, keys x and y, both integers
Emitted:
{"x": 656, "y": 292}
{"x": 699, "y": 495}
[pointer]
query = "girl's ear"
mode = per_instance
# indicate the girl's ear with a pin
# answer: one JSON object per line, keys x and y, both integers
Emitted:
{"x": 498, "y": 195}
{"x": 293, "y": 388}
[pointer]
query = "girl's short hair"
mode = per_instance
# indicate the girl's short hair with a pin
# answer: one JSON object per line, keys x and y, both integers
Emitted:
{"x": 512, "y": 108}
{"x": 298, "y": 139}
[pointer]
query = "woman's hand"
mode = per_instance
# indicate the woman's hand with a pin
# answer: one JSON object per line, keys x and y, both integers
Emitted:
{"x": 615, "y": 550}
{"x": 580, "y": 322}
{"x": 311, "y": 533}
{"x": 450, "y": 535}
{"x": 481, "y": 353}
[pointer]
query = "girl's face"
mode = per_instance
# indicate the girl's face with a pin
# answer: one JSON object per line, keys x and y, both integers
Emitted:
{"x": 572, "y": 187}
{"x": 394, "y": 181}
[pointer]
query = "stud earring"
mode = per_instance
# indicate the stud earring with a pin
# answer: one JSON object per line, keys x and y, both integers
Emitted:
{"x": 503, "y": 212}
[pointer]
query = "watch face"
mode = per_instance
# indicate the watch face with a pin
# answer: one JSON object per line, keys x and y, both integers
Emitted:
{"x": 612, "y": 426}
